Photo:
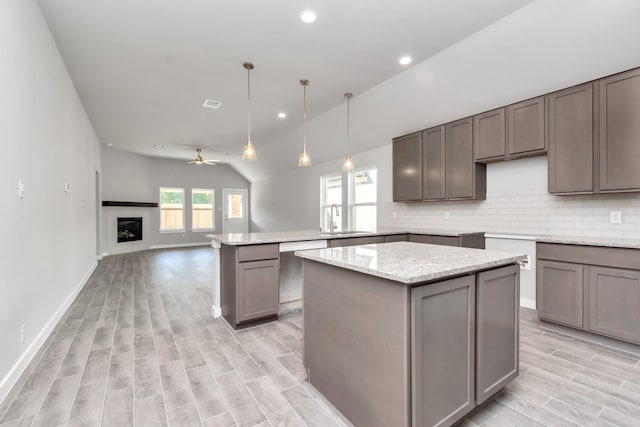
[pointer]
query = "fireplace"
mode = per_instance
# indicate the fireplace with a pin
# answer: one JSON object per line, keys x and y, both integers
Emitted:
{"x": 129, "y": 229}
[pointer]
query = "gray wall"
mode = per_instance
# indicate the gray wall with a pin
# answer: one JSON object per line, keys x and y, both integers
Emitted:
{"x": 475, "y": 75}
{"x": 46, "y": 140}
{"x": 135, "y": 178}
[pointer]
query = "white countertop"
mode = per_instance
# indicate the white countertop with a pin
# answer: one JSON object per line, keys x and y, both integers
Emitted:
{"x": 613, "y": 242}
{"x": 408, "y": 262}
{"x": 303, "y": 235}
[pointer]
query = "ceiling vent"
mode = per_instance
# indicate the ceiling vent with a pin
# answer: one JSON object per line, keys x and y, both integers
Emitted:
{"x": 210, "y": 103}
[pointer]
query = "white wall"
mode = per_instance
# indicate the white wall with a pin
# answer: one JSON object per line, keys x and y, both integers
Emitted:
{"x": 134, "y": 178}
{"x": 545, "y": 46}
{"x": 46, "y": 140}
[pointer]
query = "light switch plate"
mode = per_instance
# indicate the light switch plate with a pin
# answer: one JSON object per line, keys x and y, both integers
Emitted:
{"x": 20, "y": 189}
{"x": 615, "y": 217}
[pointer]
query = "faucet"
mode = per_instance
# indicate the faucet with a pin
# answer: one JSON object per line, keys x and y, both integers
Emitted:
{"x": 332, "y": 226}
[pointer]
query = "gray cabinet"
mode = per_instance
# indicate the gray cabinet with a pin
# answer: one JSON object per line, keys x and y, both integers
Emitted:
{"x": 443, "y": 351}
{"x": 407, "y": 168}
{"x": 489, "y": 135}
{"x": 249, "y": 283}
{"x": 592, "y": 288}
{"x": 570, "y": 130}
{"x": 559, "y": 292}
{"x": 525, "y": 128}
{"x": 614, "y": 302}
{"x": 395, "y": 238}
{"x": 433, "y": 163}
{"x": 465, "y": 241}
{"x": 619, "y": 110}
{"x": 497, "y": 317}
{"x": 354, "y": 241}
{"x": 460, "y": 171}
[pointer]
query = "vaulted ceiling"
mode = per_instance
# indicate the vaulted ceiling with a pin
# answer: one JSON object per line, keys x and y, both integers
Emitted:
{"x": 143, "y": 68}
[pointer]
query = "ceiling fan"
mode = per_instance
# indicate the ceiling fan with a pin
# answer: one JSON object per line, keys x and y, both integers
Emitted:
{"x": 198, "y": 160}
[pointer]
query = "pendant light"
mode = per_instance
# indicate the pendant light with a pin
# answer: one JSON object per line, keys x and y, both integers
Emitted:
{"x": 347, "y": 165}
{"x": 249, "y": 152}
{"x": 305, "y": 158}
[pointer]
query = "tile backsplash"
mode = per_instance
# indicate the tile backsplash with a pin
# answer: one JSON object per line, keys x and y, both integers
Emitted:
{"x": 518, "y": 202}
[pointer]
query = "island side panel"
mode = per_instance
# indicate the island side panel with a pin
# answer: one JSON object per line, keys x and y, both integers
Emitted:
{"x": 356, "y": 343}
{"x": 228, "y": 281}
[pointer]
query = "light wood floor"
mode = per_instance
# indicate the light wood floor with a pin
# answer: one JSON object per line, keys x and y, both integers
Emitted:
{"x": 139, "y": 347}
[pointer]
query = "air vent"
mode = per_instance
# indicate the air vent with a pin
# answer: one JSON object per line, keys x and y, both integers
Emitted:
{"x": 210, "y": 103}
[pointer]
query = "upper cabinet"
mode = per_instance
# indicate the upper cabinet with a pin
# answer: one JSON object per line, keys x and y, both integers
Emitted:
{"x": 433, "y": 161}
{"x": 525, "y": 128}
{"x": 620, "y": 132}
{"x": 407, "y": 168}
{"x": 570, "y": 130}
{"x": 464, "y": 178}
{"x": 490, "y": 135}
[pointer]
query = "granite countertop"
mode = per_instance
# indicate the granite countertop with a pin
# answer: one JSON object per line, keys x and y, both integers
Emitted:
{"x": 305, "y": 235}
{"x": 612, "y": 242}
{"x": 411, "y": 263}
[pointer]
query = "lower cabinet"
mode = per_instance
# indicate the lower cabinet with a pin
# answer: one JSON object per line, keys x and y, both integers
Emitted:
{"x": 464, "y": 343}
{"x": 258, "y": 289}
{"x": 559, "y": 292}
{"x": 575, "y": 291}
{"x": 249, "y": 283}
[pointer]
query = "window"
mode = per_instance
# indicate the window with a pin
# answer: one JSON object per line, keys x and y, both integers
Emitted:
{"x": 171, "y": 209}
{"x": 202, "y": 210}
{"x": 363, "y": 201}
{"x": 331, "y": 194}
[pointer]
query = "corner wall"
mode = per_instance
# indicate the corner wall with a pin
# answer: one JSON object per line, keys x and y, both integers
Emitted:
{"x": 46, "y": 141}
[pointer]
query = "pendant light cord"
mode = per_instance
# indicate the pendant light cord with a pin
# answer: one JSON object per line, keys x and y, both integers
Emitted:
{"x": 304, "y": 118}
{"x": 249, "y": 102}
{"x": 348, "y": 126}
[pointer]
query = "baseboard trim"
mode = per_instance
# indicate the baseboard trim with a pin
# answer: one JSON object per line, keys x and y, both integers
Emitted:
{"x": 32, "y": 350}
{"x": 179, "y": 245}
{"x": 528, "y": 303}
{"x": 102, "y": 255}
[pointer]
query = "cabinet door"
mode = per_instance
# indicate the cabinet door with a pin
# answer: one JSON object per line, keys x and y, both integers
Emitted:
{"x": 570, "y": 128}
{"x": 459, "y": 159}
{"x": 433, "y": 163}
{"x": 258, "y": 289}
{"x": 559, "y": 290}
{"x": 489, "y": 135}
{"x": 620, "y": 131}
{"x": 498, "y": 300}
{"x": 407, "y": 168}
{"x": 614, "y": 302}
{"x": 442, "y": 351}
{"x": 525, "y": 127}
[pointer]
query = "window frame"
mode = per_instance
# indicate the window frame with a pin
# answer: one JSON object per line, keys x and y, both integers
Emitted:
{"x": 323, "y": 200}
{"x": 172, "y": 230}
{"x": 352, "y": 197}
{"x": 213, "y": 210}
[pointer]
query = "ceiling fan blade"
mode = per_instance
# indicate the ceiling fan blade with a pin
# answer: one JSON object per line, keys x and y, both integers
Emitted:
{"x": 209, "y": 162}
{"x": 192, "y": 161}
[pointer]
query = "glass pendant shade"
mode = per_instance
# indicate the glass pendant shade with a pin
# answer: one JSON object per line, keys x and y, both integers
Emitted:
{"x": 249, "y": 151}
{"x": 347, "y": 165}
{"x": 305, "y": 159}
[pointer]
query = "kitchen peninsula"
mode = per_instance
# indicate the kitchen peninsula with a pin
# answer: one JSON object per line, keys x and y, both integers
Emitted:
{"x": 406, "y": 334}
{"x": 257, "y": 276}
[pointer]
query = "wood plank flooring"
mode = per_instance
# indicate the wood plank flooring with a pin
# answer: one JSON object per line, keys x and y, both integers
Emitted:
{"x": 139, "y": 347}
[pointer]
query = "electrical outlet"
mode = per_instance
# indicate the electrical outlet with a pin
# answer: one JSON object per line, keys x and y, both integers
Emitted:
{"x": 447, "y": 215}
{"x": 615, "y": 217}
{"x": 23, "y": 330}
{"x": 20, "y": 189}
{"x": 395, "y": 215}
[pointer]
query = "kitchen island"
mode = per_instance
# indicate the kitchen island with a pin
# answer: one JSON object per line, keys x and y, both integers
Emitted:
{"x": 406, "y": 334}
{"x": 257, "y": 277}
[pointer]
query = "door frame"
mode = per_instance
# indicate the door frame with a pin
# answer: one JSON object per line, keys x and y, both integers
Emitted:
{"x": 245, "y": 207}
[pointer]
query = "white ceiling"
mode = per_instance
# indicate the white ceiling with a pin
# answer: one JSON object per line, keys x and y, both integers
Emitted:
{"x": 143, "y": 67}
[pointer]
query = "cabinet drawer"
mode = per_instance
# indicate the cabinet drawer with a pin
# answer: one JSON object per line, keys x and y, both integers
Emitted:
{"x": 354, "y": 241}
{"x": 257, "y": 252}
{"x": 395, "y": 238}
{"x": 434, "y": 240}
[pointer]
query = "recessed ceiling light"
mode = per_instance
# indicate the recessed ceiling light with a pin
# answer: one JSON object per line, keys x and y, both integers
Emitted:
{"x": 405, "y": 60}
{"x": 308, "y": 16}
{"x": 282, "y": 115}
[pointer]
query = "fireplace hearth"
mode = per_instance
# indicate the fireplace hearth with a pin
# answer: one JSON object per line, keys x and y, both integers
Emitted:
{"x": 129, "y": 229}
